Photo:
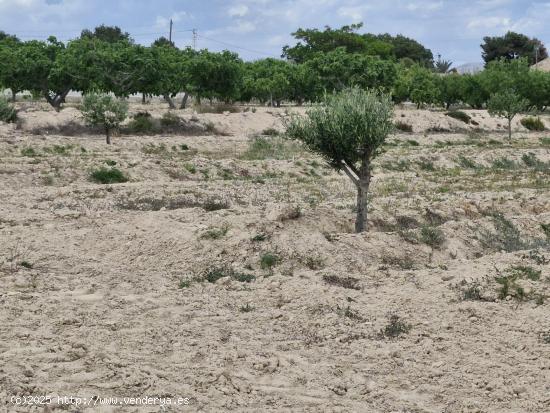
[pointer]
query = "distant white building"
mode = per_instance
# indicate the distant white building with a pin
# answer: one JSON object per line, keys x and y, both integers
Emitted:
{"x": 470, "y": 68}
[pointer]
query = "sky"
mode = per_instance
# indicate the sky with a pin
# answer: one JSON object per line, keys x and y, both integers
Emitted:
{"x": 260, "y": 28}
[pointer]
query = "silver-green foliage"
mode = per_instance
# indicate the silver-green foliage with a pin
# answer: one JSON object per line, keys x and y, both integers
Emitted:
{"x": 347, "y": 129}
{"x": 105, "y": 111}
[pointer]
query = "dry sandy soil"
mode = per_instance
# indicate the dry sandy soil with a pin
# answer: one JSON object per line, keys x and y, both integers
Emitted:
{"x": 106, "y": 289}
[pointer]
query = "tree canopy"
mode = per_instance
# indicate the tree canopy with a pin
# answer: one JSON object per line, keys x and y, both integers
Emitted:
{"x": 513, "y": 46}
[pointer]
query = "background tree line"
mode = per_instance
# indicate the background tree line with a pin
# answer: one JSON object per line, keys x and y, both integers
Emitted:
{"x": 322, "y": 61}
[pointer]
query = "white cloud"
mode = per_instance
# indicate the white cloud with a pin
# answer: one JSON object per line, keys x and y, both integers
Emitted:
{"x": 238, "y": 10}
{"x": 495, "y": 22}
{"x": 162, "y": 22}
{"x": 355, "y": 14}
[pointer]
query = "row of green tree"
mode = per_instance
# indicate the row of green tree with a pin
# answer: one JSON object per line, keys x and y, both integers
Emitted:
{"x": 108, "y": 60}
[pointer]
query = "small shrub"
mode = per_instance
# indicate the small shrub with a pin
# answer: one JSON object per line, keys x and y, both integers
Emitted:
{"x": 459, "y": 115}
{"x": 533, "y": 124}
{"x": 243, "y": 277}
{"x": 246, "y": 308}
{"x": 190, "y": 168}
{"x": 108, "y": 176}
{"x": 184, "y": 283}
{"x": 473, "y": 292}
{"x": 412, "y": 142}
{"x": 26, "y": 264}
{"x": 170, "y": 120}
{"x": 213, "y": 274}
{"x": 524, "y": 271}
{"x": 261, "y": 148}
{"x": 432, "y": 236}
{"x": 259, "y": 237}
{"x": 141, "y": 123}
{"x": 216, "y": 233}
{"x": 403, "y": 127}
{"x": 546, "y": 229}
{"x": 506, "y": 236}
{"x": 395, "y": 328}
{"x": 268, "y": 260}
{"x": 213, "y": 204}
{"x": 426, "y": 165}
{"x": 8, "y": 113}
{"x": 110, "y": 162}
{"x": 545, "y": 141}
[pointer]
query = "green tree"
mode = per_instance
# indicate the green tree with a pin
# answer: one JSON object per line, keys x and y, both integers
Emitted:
{"x": 267, "y": 80}
{"x": 536, "y": 89}
{"x": 104, "y": 111}
{"x": 450, "y": 89}
{"x": 513, "y": 46}
{"x": 474, "y": 92}
{"x": 418, "y": 84}
{"x": 507, "y": 104}
{"x": 216, "y": 75}
{"x": 312, "y": 42}
{"x": 109, "y": 34}
{"x": 406, "y": 48}
{"x": 348, "y": 130}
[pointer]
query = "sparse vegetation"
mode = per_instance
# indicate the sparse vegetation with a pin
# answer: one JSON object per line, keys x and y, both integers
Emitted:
{"x": 395, "y": 328}
{"x": 459, "y": 115}
{"x": 7, "y": 111}
{"x": 533, "y": 124}
{"x": 108, "y": 176}
{"x": 105, "y": 111}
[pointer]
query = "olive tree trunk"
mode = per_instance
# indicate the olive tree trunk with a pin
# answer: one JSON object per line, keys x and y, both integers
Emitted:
{"x": 108, "y": 136}
{"x": 168, "y": 99}
{"x": 184, "y": 100}
{"x": 510, "y": 128}
{"x": 361, "y": 179}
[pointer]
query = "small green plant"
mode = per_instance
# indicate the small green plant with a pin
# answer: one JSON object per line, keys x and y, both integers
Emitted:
{"x": 545, "y": 141}
{"x": 546, "y": 229}
{"x": 110, "y": 162}
{"x": 533, "y": 124}
{"x": 184, "y": 283}
{"x": 459, "y": 115}
{"x": 270, "y": 147}
{"x": 426, "y": 165}
{"x": 141, "y": 123}
{"x": 395, "y": 328}
{"x": 26, "y": 264}
{"x": 524, "y": 271}
{"x": 472, "y": 292}
{"x": 467, "y": 162}
{"x": 216, "y": 233}
{"x": 268, "y": 260}
{"x": 412, "y": 142}
{"x": 28, "y": 151}
{"x": 259, "y": 237}
{"x": 432, "y": 236}
{"x": 213, "y": 274}
{"x": 105, "y": 111}
{"x": 545, "y": 337}
{"x": 108, "y": 176}
{"x": 243, "y": 277}
{"x": 190, "y": 168}
{"x": 8, "y": 113}
{"x": 403, "y": 127}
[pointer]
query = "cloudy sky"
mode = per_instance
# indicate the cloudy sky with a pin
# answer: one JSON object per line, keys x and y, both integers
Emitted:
{"x": 259, "y": 28}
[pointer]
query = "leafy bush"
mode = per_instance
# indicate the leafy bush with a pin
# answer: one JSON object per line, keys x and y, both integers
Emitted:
{"x": 142, "y": 123}
{"x": 7, "y": 111}
{"x": 108, "y": 176}
{"x": 170, "y": 120}
{"x": 459, "y": 115}
{"x": 533, "y": 124}
{"x": 104, "y": 111}
{"x": 269, "y": 260}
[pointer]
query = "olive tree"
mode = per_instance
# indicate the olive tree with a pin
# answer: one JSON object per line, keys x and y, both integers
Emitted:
{"x": 507, "y": 104}
{"x": 347, "y": 129}
{"x": 104, "y": 111}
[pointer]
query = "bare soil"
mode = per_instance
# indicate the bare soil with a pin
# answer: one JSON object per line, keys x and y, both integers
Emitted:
{"x": 233, "y": 277}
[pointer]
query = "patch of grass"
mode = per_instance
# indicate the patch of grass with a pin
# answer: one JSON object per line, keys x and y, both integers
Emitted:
{"x": 211, "y": 204}
{"x": 545, "y": 141}
{"x": 524, "y": 271}
{"x": 546, "y": 229}
{"x": 412, "y": 142}
{"x": 395, "y": 328}
{"x": 110, "y": 162}
{"x": 259, "y": 237}
{"x": 467, "y": 162}
{"x": 216, "y": 233}
{"x": 8, "y": 113}
{"x": 269, "y": 260}
{"x": 349, "y": 313}
{"x": 344, "y": 282}
{"x": 213, "y": 274}
{"x": 270, "y": 132}
{"x": 533, "y": 124}
{"x": 108, "y": 176}
{"x": 403, "y": 127}
{"x": 503, "y": 163}
{"x": 314, "y": 262}
{"x": 531, "y": 160}
{"x": 217, "y": 108}
{"x": 473, "y": 292}
{"x": 26, "y": 264}
{"x": 170, "y": 120}
{"x": 184, "y": 283}
{"x": 401, "y": 166}
{"x": 260, "y": 148}
{"x": 509, "y": 287}
{"x": 243, "y": 277}
{"x": 29, "y": 152}
{"x": 426, "y": 165}
{"x": 459, "y": 115}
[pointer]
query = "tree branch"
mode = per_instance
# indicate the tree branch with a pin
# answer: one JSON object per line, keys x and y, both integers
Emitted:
{"x": 350, "y": 173}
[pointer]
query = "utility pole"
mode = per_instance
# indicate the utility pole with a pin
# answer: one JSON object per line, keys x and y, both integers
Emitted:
{"x": 170, "y": 36}
{"x": 194, "y": 39}
{"x": 536, "y": 54}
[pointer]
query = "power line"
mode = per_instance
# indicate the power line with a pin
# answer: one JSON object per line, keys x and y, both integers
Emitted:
{"x": 238, "y": 47}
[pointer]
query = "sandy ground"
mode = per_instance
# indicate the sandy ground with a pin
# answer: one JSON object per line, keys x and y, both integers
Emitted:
{"x": 102, "y": 288}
